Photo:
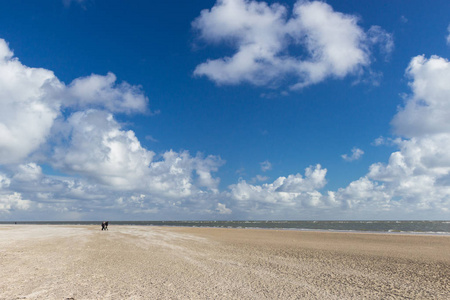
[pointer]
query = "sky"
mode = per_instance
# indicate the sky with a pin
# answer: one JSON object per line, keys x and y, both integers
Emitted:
{"x": 224, "y": 110}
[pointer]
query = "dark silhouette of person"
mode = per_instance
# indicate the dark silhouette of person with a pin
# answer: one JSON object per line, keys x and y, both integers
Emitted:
{"x": 105, "y": 225}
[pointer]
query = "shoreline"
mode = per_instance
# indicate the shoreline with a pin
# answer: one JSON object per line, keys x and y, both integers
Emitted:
{"x": 389, "y": 232}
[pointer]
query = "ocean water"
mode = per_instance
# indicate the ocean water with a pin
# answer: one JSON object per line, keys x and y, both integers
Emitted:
{"x": 424, "y": 227}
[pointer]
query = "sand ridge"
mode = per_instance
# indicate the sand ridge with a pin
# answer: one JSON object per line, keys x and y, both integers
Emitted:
{"x": 147, "y": 262}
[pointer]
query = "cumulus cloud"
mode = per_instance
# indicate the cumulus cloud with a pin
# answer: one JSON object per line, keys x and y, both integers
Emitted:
{"x": 97, "y": 91}
{"x": 327, "y": 43}
{"x": 13, "y": 201}
{"x": 314, "y": 179}
{"x": 356, "y": 154}
{"x": 417, "y": 176}
{"x": 294, "y": 191}
{"x": 36, "y": 96}
{"x": 427, "y": 110}
{"x": 173, "y": 175}
{"x": 419, "y": 173}
{"x": 26, "y": 97}
{"x": 101, "y": 164}
{"x": 98, "y": 148}
{"x": 415, "y": 180}
{"x": 223, "y": 210}
{"x": 48, "y": 196}
{"x": 28, "y": 172}
{"x": 170, "y": 186}
{"x": 363, "y": 194}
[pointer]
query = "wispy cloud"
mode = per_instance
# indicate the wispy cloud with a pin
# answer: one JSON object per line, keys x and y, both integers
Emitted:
{"x": 448, "y": 35}
{"x": 265, "y": 166}
{"x": 82, "y": 3}
{"x": 356, "y": 154}
{"x": 259, "y": 178}
{"x": 151, "y": 138}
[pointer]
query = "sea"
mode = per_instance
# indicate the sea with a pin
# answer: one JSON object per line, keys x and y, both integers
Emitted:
{"x": 404, "y": 227}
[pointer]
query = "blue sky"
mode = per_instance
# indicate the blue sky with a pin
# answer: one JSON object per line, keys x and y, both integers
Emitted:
{"x": 224, "y": 110}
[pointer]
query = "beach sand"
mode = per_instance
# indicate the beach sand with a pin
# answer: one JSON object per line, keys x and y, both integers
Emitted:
{"x": 146, "y": 262}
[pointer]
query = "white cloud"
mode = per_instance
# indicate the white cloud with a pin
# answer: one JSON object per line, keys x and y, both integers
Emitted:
{"x": 97, "y": 91}
{"x": 328, "y": 43}
{"x": 334, "y": 40}
{"x": 4, "y": 181}
{"x": 427, "y": 111}
{"x": 13, "y": 201}
{"x": 35, "y": 96}
{"x": 64, "y": 198}
{"x": 417, "y": 176}
{"x": 356, "y": 154}
{"x": 419, "y": 173}
{"x": 151, "y": 139}
{"x": 385, "y": 40}
{"x": 113, "y": 172}
{"x": 204, "y": 167}
{"x": 99, "y": 149}
{"x": 314, "y": 179}
{"x": 266, "y": 166}
{"x": 28, "y": 172}
{"x": 379, "y": 141}
{"x": 173, "y": 176}
{"x": 363, "y": 194}
{"x": 294, "y": 191}
{"x": 259, "y": 178}
{"x": 414, "y": 183}
{"x": 448, "y": 35}
{"x": 25, "y": 98}
{"x": 106, "y": 161}
{"x": 223, "y": 210}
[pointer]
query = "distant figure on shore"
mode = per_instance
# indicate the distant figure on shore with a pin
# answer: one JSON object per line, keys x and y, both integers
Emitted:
{"x": 105, "y": 225}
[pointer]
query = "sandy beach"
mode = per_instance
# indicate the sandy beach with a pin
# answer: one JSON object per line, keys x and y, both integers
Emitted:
{"x": 147, "y": 262}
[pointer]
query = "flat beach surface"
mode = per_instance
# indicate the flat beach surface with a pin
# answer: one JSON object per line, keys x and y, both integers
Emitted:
{"x": 146, "y": 262}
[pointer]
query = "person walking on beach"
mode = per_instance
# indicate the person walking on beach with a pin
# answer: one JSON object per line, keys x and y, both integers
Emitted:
{"x": 104, "y": 225}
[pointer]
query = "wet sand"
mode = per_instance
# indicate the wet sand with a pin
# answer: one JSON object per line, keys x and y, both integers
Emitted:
{"x": 146, "y": 262}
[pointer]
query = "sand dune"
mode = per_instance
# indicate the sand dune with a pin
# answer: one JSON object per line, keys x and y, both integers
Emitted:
{"x": 145, "y": 262}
